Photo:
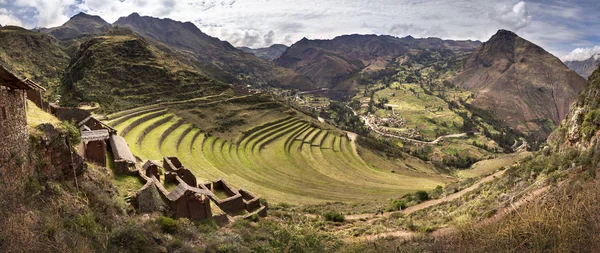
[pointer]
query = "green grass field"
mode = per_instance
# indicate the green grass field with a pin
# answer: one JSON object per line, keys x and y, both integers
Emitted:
{"x": 428, "y": 113}
{"x": 289, "y": 160}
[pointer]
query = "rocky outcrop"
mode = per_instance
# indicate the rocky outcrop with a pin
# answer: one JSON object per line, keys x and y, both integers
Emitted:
{"x": 581, "y": 127}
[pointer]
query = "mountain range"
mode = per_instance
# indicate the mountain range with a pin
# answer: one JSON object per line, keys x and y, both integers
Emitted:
{"x": 334, "y": 63}
{"x": 585, "y": 68}
{"x": 268, "y": 53}
{"x": 146, "y": 59}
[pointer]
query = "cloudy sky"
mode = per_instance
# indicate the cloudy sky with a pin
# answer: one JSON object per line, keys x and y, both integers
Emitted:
{"x": 568, "y": 28}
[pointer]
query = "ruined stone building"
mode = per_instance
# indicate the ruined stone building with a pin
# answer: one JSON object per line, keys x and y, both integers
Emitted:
{"x": 13, "y": 121}
{"x": 192, "y": 200}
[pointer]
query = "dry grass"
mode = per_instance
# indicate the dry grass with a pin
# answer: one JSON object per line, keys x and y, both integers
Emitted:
{"x": 36, "y": 116}
{"x": 567, "y": 220}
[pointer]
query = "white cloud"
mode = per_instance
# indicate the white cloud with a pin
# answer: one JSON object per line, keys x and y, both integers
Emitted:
{"x": 48, "y": 12}
{"x": 7, "y": 18}
{"x": 582, "y": 54}
{"x": 259, "y": 23}
{"x": 515, "y": 17}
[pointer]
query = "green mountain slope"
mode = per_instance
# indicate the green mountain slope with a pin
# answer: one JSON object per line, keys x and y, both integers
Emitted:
{"x": 123, "y": 71}
{"x": 34, "y": 55}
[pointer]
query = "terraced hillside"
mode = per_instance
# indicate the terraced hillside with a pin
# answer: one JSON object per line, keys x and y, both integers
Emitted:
{"x": 286, "y": 160}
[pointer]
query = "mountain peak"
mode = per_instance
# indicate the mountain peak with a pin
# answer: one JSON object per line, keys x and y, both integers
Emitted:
{"x": 134, "y": 15}
{"x": 504, "y": 74}
{"x": 84, "y": 21}
{"x": 505, "y": 34}
{"x": 83, "y": 15}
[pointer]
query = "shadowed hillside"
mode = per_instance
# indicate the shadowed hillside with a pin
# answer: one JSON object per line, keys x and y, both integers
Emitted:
{"x": 527, "y": 87}
{"x": 219, "y": 58}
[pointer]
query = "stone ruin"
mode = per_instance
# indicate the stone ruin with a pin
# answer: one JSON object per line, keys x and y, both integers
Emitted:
{"x": 190, "y": 199}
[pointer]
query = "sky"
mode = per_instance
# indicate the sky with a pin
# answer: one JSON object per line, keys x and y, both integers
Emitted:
{"x": 566, "y": 28}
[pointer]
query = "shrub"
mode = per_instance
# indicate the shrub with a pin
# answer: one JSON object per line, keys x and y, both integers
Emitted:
{"x": 397, "y": 204}
{"x": 334, "y": 216}
{"x": 421, "y": 195}
{"x": 254, "y": 218}
{"x": 72, "y": 132}
{"x": 168, "y": 225}
{"x": 207, "y": 226}
{"x": 131, "y": 239}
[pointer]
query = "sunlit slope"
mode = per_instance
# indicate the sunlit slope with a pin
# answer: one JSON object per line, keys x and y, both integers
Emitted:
{"x": 286, "y": 160}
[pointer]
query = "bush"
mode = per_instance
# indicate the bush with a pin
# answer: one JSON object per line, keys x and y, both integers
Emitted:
{"x": 397, "y": 204}
{"x": 334, "y": 216}
{"x": 131, "y": 239}
{"x": 254, "y": 218}
{"x": 421, "y": 195}
{"x": 168, "y": 225}
{"x": 72, "y": 132}
{"x": 207, "y": 226}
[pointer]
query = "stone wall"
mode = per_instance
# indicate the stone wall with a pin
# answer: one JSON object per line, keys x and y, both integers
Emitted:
{"x": 69, "y": 114}
{"x": 35, "y": 96}
{"x": 14, "y": 137}
{"x": 95, "y": 152}
{"x": 192, "y": 205}
{"x": 234, "y": 203}
{"x": 251, "y": 202}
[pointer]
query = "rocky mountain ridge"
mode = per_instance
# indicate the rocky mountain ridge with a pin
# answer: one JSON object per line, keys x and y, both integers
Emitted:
{"x": 585, "y": 68}
{"x": 270, "y": 53}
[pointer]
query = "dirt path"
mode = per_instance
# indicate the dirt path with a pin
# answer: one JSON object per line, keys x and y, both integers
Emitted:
{"x": 430, "y": 203}
{"x": 501, "y": 213}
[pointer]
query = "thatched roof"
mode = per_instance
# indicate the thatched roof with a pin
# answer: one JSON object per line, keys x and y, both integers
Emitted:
{"x": 9, "y": 80}
{"x": 120, "y": 149}
{"x": 97, "y": 135}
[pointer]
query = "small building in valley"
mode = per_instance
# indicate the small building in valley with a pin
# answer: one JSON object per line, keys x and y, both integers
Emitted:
{"x": 95, "y": 135}
{"x": 94, "y": 143}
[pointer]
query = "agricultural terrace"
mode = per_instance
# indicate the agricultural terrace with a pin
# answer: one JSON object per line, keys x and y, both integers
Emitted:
{"x": 288, "y": 158}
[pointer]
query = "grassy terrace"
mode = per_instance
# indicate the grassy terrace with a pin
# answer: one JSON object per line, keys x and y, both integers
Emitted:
{"x": 287, "y": 160}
